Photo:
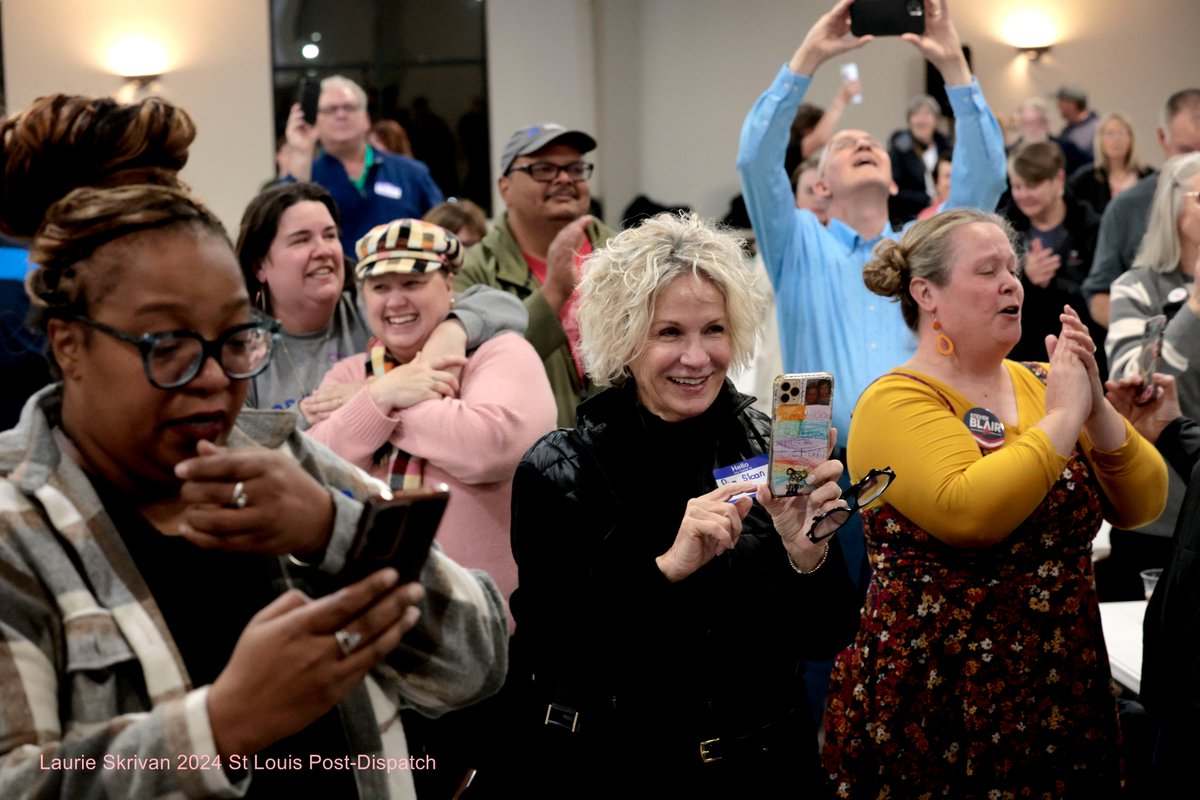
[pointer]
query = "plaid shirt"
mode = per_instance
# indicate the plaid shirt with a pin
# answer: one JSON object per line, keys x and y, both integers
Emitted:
{"x": 88, "y": 668}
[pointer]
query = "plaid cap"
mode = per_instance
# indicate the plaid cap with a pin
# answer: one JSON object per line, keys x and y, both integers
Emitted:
{"x": 535, "y": 137}
{"x": 407, "y": 245}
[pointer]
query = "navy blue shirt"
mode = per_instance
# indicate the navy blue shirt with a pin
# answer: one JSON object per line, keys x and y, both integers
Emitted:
{"x": 396, "y": 187}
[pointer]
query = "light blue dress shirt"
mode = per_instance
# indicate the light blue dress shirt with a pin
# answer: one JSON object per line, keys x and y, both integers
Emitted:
{"x": 828, "y": 319}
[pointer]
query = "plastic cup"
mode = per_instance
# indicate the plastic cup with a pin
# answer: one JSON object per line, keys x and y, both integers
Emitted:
{"x": 1150, "y": 580}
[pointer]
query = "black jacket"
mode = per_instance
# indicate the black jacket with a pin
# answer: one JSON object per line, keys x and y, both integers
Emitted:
{"x": 655, "y": 667}
{"x": 908, "y": 171}
{"x": 1089, "y": 184}
{"x": 1170, "y": 687}
{"x": 1039, "y": 313}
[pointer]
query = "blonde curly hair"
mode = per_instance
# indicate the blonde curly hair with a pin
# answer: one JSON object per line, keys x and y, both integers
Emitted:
{"x": 622, "y": 281}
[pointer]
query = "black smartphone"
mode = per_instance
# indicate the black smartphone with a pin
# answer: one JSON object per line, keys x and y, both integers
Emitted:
{"x": 887, "y": 17}
{"x": 395, "y": 532}
{"x": 307, "y": 95}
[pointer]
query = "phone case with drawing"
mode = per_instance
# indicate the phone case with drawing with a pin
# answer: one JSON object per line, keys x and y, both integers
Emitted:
{"x": 801, "y": 415}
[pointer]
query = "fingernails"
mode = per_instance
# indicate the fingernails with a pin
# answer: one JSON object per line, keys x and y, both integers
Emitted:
{"x": 181, "y": 470}
{"x": 388, "y": 577}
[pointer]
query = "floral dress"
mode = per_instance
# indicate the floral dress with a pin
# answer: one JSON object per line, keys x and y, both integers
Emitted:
{"x": 979, "y": 673}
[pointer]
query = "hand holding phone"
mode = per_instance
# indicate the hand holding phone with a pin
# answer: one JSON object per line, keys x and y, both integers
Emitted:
{"x": 801, "y": 415}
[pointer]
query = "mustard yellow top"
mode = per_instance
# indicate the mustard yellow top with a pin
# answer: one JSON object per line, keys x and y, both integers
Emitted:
{"x": 947, "y": 487}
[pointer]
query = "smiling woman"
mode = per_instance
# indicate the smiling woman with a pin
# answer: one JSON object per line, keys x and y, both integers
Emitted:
{"x": 981, "y": 628}
{"x": 633, "y": 619}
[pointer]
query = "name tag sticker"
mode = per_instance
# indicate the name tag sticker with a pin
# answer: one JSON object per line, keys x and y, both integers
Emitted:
{"x": 986, "y": 427}
{"x": 753, "y": 469}
{"x": 388, "y": 190}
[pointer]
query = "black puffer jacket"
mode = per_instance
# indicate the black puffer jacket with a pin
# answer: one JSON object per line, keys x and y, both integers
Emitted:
{"x": 653, "y": 667}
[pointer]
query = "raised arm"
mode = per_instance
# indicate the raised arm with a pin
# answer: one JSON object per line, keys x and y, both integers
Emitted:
{"x": 979, "y": 161}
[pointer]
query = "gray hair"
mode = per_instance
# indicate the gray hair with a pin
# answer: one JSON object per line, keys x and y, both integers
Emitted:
{"x": 923, "y": 101}
{"x": 1161, "y": 250}
{"x": 342, "y": 82}
{"x": 622, "y": 281}
{"x": 1185, "y": 100}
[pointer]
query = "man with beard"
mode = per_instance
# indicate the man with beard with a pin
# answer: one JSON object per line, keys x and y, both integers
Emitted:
{"x": 535, "y": 249}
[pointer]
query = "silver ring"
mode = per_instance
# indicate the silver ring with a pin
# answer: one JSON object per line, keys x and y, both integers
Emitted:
{"x": 239, "y": 499}
{"x": 347, "y": 640}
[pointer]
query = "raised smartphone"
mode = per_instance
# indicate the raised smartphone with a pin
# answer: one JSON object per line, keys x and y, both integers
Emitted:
{"x": 887, "y": 17}
{"x": 307, "y": 95}
{"x": 397, "y": 533}
{"x": 801, "y": 415}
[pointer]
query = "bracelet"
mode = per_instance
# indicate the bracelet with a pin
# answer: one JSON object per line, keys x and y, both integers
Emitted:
{"x": 799, "y": 571}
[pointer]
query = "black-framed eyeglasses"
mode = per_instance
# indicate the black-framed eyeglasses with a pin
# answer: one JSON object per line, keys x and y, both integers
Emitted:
{"x": 860, "y": 494}
{"x": 545, "y": 172}
{"x": 173, "y": 358}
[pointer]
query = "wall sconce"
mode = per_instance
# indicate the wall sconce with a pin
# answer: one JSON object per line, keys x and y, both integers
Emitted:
{"x": 141, "y": 61}
{"x": 1034, "y": 53}
{"x": 1032, "y": 33}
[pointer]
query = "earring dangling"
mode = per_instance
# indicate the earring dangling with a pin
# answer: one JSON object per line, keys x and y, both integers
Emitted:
{"x": 260, "y": 298}
{"x": 945, "y": 345}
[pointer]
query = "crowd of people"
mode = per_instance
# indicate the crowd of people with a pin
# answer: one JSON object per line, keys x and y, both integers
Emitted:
{"x": 614, "y": 599}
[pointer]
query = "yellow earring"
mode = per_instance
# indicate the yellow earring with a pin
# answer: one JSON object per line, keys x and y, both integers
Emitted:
{"x": 945, "y": 345}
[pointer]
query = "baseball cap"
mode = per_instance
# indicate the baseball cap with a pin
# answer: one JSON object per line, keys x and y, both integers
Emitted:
{"x": 1072, "y": 94}
{"x": 407, "y": 245}
{"x": 535, "y": 137}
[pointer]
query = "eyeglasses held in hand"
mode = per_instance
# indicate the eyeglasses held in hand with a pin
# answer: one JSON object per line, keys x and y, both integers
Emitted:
{"x": 860, "y": 494}
{"x": 174, "y": 358}
{"x": 545, "y": 172}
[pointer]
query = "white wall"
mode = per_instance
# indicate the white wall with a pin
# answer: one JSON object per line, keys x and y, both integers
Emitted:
{"x": 673, "y": 79}
{"x": 219, "y": 70}
{"x": 541, "y": 68}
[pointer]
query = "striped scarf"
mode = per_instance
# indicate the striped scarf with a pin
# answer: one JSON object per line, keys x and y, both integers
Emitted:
{"x": 405, "y": 471}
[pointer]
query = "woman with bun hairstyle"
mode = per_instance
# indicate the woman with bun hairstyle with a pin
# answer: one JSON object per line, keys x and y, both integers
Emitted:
{"x": 979, "y": 668}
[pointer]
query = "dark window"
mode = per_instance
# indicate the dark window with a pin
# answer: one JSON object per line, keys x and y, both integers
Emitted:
{"x": 422, "y": 64}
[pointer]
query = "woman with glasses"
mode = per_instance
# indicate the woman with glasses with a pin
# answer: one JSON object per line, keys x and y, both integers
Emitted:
{"x": 296, "y": 271}
{"x": 150, "y": 529}
{"x": 979, "y": 669}
{"x": 662, "y": 619}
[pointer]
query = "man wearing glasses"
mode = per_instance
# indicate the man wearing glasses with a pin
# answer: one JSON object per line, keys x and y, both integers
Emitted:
{"x": 535, "y": 248}
{"x": 371, "y": 187}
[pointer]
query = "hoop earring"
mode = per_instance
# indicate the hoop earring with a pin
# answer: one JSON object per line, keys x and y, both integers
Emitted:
{"x": 260, "y": 298}
{"x": 945, "y": 345}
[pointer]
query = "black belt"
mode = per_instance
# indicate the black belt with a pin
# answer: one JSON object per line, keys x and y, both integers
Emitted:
{"x": 755, "y": 741}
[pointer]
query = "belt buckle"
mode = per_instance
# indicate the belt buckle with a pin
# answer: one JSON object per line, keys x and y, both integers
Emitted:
{"x": 706, "y": 748}
{"x": 562, "y": 716}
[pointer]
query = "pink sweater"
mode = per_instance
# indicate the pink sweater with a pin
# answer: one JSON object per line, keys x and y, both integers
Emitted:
{"x": 472, "y": 443}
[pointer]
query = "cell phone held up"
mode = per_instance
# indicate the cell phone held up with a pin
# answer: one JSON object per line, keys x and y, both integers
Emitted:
{"x": 307, "y": 95}
{"x": 1148, "y": 356}
{"x": 396, "y": 532}
{"x": 887, "y": 17}
{"x": 801, "y": 415}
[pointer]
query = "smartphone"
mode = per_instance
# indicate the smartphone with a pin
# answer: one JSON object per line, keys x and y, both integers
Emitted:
{"x": 887, "y": 17}
{"x": 307, "y": 95}
{"x": 396, "y": 532}
{"x": 1151, "y": 351}
{"x": 801, "y": 415}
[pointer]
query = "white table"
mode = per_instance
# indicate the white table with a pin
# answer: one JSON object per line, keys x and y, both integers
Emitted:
{"x": 1123, "y": 635}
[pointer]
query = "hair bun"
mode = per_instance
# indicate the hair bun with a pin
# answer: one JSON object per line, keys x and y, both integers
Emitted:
{"x": 63, "y": 142}
{"x": 884, "y": 273}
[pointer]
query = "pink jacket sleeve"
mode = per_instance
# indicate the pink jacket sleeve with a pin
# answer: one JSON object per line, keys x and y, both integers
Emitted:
{"x": 505, "y": 405}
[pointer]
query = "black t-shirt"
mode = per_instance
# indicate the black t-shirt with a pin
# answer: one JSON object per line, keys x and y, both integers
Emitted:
{"x": 207, "y": 597}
